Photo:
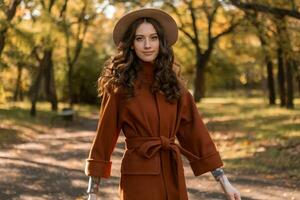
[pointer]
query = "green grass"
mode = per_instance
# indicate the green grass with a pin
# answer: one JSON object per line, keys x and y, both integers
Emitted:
{"x": 18, "y": 126}
{"x": 254, "y": 137}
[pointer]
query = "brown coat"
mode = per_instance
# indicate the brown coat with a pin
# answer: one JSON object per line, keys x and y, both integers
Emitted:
{"x": 151, "y": 167}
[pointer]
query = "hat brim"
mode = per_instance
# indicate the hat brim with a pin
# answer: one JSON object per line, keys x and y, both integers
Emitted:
{"x": 166, "y": 21}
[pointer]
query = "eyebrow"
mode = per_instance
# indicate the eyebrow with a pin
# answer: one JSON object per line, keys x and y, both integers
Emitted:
{"x": 150, "y": 34}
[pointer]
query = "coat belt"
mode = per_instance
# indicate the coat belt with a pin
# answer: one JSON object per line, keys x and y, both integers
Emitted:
{"x": 149, "y": 146}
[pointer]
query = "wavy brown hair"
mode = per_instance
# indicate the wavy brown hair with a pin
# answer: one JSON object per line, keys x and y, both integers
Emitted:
{"x": 121, "y": 70}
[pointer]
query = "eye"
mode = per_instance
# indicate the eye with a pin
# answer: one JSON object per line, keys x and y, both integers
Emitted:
{"x": 154, "y": 37}
{"x": 139, "y": 39}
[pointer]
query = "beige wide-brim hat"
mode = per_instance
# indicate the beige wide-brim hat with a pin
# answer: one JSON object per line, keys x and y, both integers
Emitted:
{"x": 166, "y": 21}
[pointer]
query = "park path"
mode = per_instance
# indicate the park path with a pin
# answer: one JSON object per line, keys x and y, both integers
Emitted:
{"x": 50, "y": 166}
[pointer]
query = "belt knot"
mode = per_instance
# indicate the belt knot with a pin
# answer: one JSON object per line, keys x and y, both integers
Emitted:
{"x": 149, "y": 146}
{"x": 165, "y": 142}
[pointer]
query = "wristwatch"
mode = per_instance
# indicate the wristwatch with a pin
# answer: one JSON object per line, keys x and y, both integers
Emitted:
{"x": 217, "y": 173}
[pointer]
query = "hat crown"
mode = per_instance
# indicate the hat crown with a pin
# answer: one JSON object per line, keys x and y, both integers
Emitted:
{"x": 166, "y": 21}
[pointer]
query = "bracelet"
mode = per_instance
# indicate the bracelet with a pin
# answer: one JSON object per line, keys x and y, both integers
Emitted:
{"x": 93, "y": 185}
{"x": 217, "y": 173}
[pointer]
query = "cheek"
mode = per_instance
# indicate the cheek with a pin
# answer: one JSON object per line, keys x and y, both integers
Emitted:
{"x": 157, "y": 46}
{"x": 137, "y": 47}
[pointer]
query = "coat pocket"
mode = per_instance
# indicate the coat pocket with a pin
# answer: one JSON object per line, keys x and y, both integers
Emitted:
{"x": 135, "y": 164}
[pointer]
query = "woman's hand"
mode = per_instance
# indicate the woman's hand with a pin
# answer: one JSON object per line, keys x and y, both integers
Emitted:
{"x": 92, "y": 196}
{"x": 93, "y": 187}
{"x": 231, "y": 192}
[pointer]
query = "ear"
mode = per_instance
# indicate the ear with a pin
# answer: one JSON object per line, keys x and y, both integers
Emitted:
{"x": 132, "y": 47}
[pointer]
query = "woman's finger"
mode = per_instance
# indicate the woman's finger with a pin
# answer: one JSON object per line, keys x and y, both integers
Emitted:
{"x": 237, "y": 196}
{"x": 230, "y": 196}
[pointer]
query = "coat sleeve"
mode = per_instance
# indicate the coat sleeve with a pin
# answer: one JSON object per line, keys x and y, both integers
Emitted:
{"x": 194, "y": 137}
{"x": 98, "y": 163}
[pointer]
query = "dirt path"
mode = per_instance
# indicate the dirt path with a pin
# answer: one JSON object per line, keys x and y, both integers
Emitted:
{"x": 51, "y": 167}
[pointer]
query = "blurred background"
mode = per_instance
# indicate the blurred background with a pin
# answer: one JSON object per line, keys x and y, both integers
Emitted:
{"x": 241, "y": 61}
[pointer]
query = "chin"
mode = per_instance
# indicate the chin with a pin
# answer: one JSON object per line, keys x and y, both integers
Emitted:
{"x": 147, "y": 59}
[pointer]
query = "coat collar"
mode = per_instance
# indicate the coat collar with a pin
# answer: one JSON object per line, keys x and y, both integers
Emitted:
{"x": 146, "y": 73}
{"x": 147, "y": 68}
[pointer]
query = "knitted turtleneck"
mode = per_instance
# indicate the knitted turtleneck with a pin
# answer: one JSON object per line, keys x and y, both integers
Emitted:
{"x": 147, "y": 71}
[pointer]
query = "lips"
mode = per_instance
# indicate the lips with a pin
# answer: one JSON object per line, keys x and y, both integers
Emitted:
{"x": 148, "y": 53}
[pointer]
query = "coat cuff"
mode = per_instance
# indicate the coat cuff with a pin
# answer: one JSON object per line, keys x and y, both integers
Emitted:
{"x": 206, "y": 164}
{"x": 98, "y": 168}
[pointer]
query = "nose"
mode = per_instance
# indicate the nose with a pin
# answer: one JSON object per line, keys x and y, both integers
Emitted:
{"x": 147, "y": 43}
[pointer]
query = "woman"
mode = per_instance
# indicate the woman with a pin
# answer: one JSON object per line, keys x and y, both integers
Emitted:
{"x": 144, "y": 97}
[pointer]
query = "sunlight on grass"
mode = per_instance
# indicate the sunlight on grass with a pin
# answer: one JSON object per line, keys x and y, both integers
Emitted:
{"x": 17, "y": 125}
{"x": 253, "y": 136}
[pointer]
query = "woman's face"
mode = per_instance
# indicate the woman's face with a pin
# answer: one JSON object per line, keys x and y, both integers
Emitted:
{"x": 146, "y": 42}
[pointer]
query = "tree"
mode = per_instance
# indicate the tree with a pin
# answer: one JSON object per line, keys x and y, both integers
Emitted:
{"x": 45, "y": 61}
{"x": 209, "y": 9}
{"x": 81, "y": 24}
{"x": 286, "y": 60}
{"x": 261, "y": 33}
{"x": 267, "y": 8}
{"x": 10, "y": 13}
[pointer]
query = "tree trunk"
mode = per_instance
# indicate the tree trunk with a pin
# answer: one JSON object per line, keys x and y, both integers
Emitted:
{"x": 271, "y": 87}
{"x": 201, "y": 63}
{"x": 281, "y": 77}
{"x": 50, "y": 88}
{"x": 35, "y": 90}
{"x": 71, "y": 96}
{"x": 298, "y": 82}
{"x": 290, "y": 86}
{"x": 2, "y": 39}
{"x": 199, "y": 83}
{"x": 18, "y": 94}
